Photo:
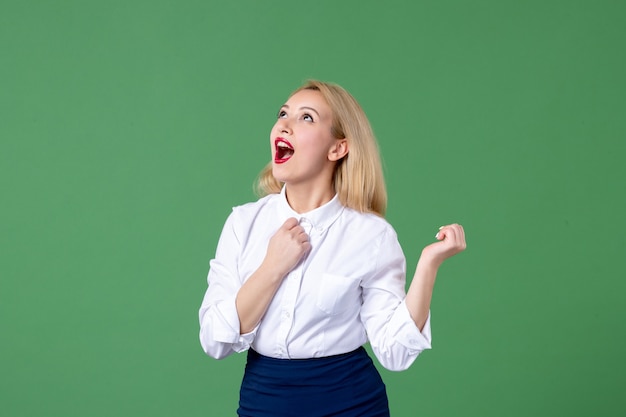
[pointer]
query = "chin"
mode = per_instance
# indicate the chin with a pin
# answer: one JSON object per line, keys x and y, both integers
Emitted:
{"x": 277, "y": 174}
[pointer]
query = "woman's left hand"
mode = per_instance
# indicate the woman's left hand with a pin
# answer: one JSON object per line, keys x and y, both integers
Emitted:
{"x": 451, "y": 240}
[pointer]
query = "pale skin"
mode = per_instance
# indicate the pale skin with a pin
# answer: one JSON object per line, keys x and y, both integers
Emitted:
{"x": 305, "y": 121}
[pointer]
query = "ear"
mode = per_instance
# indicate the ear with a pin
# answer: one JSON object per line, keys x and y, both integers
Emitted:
{"x": 338, "y": 150}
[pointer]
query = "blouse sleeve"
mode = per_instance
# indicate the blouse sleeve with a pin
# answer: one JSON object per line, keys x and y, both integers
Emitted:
{"x": 219, "y": 322}
{"x": 393, "y": 335}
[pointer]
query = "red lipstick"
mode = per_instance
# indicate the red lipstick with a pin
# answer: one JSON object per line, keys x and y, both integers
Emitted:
{"x": 283, "y": 150}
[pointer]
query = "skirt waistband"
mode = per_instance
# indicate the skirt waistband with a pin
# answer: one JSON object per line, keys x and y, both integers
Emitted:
{"x": 347, "y": 384}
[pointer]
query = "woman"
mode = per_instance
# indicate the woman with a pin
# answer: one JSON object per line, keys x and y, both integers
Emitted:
{"x": 306, "y": 275}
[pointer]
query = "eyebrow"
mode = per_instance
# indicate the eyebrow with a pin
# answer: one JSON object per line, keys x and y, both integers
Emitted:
{"x": 303, "y": 108}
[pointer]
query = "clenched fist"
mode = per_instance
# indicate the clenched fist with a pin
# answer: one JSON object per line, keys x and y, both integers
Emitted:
{"x": 451, "y": 240}
{"x": 287, "y": 247}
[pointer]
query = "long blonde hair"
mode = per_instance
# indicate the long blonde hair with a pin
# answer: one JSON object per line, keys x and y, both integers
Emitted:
{"x": 358, "y": 178}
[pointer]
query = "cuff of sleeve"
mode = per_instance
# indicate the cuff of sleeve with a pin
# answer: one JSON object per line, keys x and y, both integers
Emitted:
{"x": 244, "y": 341}
{"x": 407, "y": 333}
{"x": 228, "y": 331}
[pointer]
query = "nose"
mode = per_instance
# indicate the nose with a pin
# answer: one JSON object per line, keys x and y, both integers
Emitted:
{"x": 284, "y": 126}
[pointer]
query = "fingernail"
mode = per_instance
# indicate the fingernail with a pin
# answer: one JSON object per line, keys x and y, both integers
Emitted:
{"x": 441, "y": 227}
{"x": 437, "y": 236}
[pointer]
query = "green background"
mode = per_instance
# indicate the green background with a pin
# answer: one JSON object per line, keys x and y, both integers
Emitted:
{"x": 130, "y": 128}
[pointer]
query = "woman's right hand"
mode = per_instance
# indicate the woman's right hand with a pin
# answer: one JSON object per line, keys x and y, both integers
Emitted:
{"x": 287, "y": 247}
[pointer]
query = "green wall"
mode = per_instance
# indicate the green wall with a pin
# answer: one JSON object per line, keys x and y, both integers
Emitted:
{"x": 130, "y": 128}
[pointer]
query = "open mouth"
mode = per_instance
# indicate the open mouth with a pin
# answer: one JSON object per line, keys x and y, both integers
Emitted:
{"x": 284, "y": 150}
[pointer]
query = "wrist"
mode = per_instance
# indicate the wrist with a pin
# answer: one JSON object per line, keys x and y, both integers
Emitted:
{"x": 271, "y": 272}
{"x": 429, "y": 261}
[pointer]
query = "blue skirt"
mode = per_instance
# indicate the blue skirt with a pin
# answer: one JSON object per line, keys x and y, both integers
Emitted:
{"x": 346, "y": 385}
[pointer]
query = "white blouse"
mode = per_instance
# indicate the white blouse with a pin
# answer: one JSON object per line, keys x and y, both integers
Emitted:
{"x": 348, "y": 289}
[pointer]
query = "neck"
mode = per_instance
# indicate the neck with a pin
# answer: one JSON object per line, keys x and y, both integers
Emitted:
{"x": 304, "y": 199}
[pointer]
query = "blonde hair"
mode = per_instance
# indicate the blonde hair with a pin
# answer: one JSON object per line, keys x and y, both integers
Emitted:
{"x": 358, "y": 178}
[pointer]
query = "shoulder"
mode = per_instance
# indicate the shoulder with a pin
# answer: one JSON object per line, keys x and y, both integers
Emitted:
{"x": 370, "y": 238}
{"x": 369, "y": 223}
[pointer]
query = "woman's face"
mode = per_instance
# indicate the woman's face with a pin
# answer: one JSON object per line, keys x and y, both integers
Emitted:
{"x": 303, "y": 148}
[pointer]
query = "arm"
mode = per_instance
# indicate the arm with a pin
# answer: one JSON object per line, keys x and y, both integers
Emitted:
{"x": 397, "y": 323}
{"x": 219, "y": 324}
{"x": 451, "y": 240}
{"x": 284, "y": 251}
{"x": 231, "y": 309}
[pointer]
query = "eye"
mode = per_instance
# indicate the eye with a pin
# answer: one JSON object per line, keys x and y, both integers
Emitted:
{"x": 282, "y": 114}
{"x": 307, "y": 117}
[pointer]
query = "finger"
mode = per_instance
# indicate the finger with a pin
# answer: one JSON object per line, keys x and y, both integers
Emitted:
{"x": 456, "y": 235}
{"x": 450, "y": 231}
{"x": 462, "y": 234}
{"x": 306, "y": 246}
{"x": 445, "y": 232}
{"x": 463, "y": 242}
{"x": 302, "y": 237}
{"x": 290, "y": 223}
{"x": 458, "y": 232}
{"x": 296, "y": 231}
